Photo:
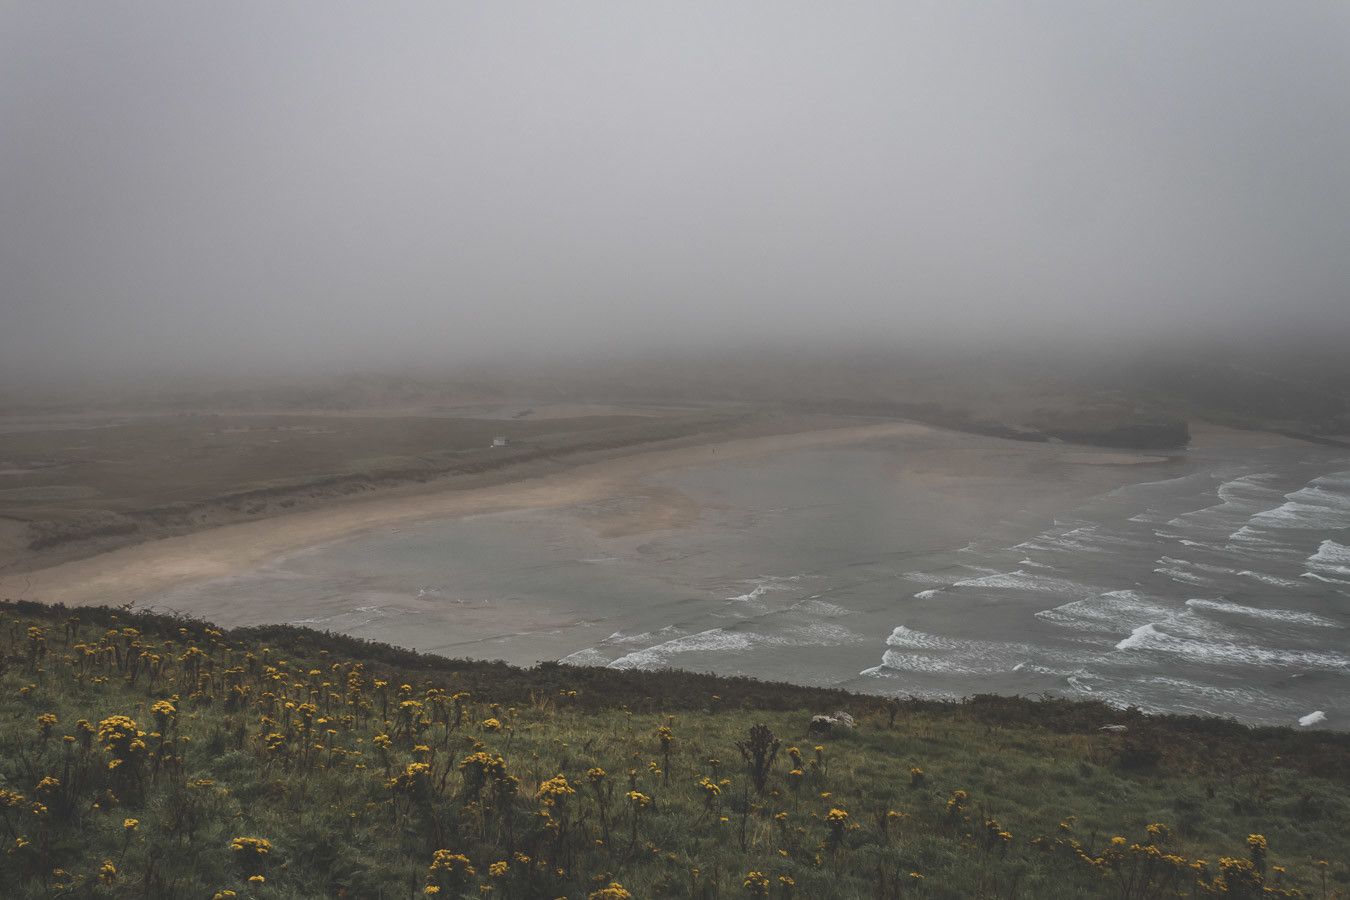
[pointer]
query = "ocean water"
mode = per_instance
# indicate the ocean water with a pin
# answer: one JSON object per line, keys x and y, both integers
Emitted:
{"x": 1217, "y": 582}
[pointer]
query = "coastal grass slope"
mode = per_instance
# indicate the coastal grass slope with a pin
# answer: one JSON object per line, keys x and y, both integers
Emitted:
{"x": 149, "y": 756}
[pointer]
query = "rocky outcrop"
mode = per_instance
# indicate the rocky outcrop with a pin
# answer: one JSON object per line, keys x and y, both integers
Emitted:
{"x": 822, "y": 726}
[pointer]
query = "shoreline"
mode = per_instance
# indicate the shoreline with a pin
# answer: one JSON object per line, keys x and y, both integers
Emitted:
{"x": 143, "y": 516}
{"x": 674, "y": 557}
{"x": 131, "y": 572}
{"x": 128, "y": 573}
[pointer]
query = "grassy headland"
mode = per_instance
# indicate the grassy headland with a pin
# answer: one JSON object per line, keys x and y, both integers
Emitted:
{"x": 144, "y": 755}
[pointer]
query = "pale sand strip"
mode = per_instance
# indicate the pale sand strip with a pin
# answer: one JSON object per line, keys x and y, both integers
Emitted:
{"x": 133, "y": 573}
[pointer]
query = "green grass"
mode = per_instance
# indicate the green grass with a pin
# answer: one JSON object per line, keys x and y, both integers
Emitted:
{"x": 1039, "y": 772}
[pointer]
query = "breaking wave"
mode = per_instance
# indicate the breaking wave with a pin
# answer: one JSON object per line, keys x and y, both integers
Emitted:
{"x": 1178, "y": 573}
{"x": 1148, "y": 637}
{"x": 1293, "y": 616}
{"x": 1326, "y": 579}
{"x": 1108, "y": 613}
{"x": 714, "y": 640}
{"x": 818, "y": 607}
{"x": 1272, "y": 580}
{"x": 909, "y": 650}
{"x": 587, "y": 656}
{"x": 1239, "y": 498}
{"x": 763, "y": 586}
{"x": 1020, "y": 580}
{"x": 1332, "y": 558}
{"x": 724, "y": 640}
{"x": 1323, "y": 504}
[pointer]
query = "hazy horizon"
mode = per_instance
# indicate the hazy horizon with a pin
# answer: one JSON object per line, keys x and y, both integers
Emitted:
{"x": 309, "y": 187}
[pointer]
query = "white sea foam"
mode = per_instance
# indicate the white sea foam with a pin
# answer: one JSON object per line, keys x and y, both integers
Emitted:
{"x": 714, "y": 640}
{"x": 1149, "y": 637}
{"x": 1117, "y": 612}
{"x": 936, "y": 665}
{"x": 1203, "y": 567}
{"x": 1109, "y": 613}
{"x": 918, "y": 651}
{"x": 587, "y": 656}
{"x": 351, "y": 619}
{"x": 1139, "y": 637}
{"x": 1075, "y": 537}
{"x": 1247, "y": 488}
{"x": 1324, "y": 578}
{"x": 1249, "y": 535}
{"x": 1179, "y": 574}
{"x": 759, "y": 591}
{"x": 1079, "y": 683}
{"x": 818, "y": 607}
{"x": 1201, "y": 574}
{"x": 1293, "y": 616}
{"x": 1332, "y": 552}
{"x": 908, "y": 638}
{"x": 927, "y": 578}
{"x": 644, "y": 637}
{"x": 1300, "y": 514}
{"x": 1312, "y": 718}
{"x": 1074, "y": 541}
{"x": 728, "y": 640}
{"x": 1078, "y": 679}
{"x": 1162, "y": 693}
{"x": 763, "y": 586}
{"x": 1272, "y": 580}
{"x": 1166, "y": 482}
{"x": 1323, "y": 504}
{"x": 1251, "y": 542}
{"x": 822, "y": 634}
{"x": 1331, "y": 558}
{"x": 1094, "y": 534}
{"x": 1019, "y": 580}
{"x": 928, "y": 594}
{"x": 1239, "y": 498}
{"x": 909, "y": 650}
{"x": 951, "y": 577}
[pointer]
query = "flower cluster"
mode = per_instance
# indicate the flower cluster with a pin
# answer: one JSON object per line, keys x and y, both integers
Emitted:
{"x": 554, "y": 791}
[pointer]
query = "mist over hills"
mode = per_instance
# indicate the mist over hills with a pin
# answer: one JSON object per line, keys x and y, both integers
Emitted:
{"x": 1302, "y": 384}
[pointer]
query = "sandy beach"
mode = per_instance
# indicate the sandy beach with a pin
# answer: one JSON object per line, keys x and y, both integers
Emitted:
{"x": 885, "y": 557}
{"x": 129, "y": 574}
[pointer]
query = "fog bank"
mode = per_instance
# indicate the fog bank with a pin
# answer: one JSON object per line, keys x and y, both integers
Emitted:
{"x": 223, "y": 188}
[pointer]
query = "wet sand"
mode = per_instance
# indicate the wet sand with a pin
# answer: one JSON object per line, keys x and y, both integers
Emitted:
{"x": 131, "y": 574}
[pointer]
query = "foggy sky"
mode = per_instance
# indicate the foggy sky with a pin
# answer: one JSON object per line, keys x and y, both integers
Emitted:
{"x": 258, "y": 184}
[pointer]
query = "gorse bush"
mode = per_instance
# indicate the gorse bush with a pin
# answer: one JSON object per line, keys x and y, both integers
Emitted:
{"x": 144, "y": 756}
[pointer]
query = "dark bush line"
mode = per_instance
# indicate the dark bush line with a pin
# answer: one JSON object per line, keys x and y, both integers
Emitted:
{"x": 1186, "y": 742}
